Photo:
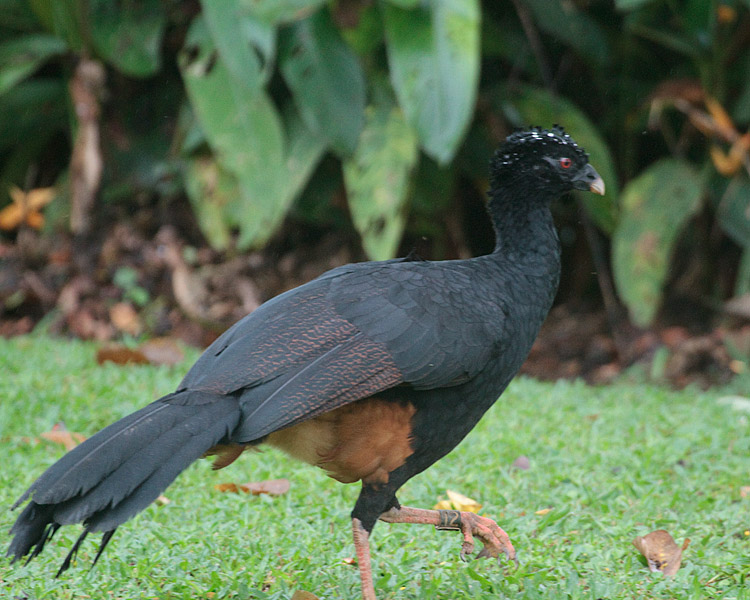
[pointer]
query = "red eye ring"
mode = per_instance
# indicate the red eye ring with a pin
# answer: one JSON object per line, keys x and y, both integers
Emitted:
{"x": 565, "y": 163}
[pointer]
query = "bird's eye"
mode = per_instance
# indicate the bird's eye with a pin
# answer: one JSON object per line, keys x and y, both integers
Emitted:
{"x": 565, "y": 163}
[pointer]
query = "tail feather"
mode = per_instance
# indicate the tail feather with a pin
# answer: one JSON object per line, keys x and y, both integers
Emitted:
{"x": 122, "y": 469}
{"x": 90, "y": 462}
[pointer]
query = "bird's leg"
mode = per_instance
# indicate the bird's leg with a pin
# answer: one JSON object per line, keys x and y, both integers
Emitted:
{"x": 471, "y": 525}
{"x": 362, "y": 547}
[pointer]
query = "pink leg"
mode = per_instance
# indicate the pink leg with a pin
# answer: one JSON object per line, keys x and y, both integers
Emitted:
{"x": 495, "y": 540}
{"x": 362, "y": 547}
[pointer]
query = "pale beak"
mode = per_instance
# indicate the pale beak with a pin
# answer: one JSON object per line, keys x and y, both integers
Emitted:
{"x": 589, "y": 180}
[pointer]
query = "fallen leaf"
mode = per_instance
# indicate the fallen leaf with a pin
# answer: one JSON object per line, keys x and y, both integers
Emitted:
{"x": 661, "y": 551}
{"x": 272, "y": 487}
{"x": 162, "y": 500}
{"x": 227, "y": 487}
{"x": 120, "y": 355}
{"x": 124, "y": 317}
{"x": 522, "y": 462}
{"x": 25, "y": 208}
{"x": 162, "y": 351}
{"x": 301, "y": 595}
{"x": 542, "y": 511}
{"x": 745, "y": 491}
{"x": 458, "y": 501}
{"x": 60, "y": 435}
{"x": 349, "y": 561}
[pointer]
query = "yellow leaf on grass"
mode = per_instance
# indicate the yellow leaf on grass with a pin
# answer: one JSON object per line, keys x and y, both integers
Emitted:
{"x": 301, "y": 595}
{"x": 542, "y": 511}
{"x": 661, "y": 551}
{"x": 457, "y": 501}
{"x": 227, "y": 487}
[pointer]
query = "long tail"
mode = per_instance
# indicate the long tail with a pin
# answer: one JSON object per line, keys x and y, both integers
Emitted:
{"x": 122, "y": 469}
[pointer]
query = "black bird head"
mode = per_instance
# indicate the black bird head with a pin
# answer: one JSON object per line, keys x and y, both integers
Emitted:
{"x": 546, "y": 160}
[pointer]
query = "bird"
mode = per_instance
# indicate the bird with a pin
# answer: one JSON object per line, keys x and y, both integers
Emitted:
{"x": 372, "y": 372}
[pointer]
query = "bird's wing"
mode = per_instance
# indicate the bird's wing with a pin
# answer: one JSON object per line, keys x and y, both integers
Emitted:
{"x": 348, "y": 335}
{"x": 430, "y": 317}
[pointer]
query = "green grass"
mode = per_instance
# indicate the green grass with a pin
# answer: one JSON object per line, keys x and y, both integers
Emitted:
{"x": 611, "y": 462}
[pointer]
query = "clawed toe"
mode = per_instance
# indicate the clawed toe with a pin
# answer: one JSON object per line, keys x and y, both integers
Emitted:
{"x": 495, "y": 541}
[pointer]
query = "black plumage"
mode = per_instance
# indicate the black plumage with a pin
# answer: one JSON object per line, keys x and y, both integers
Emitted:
{"x": 373, "y": 372}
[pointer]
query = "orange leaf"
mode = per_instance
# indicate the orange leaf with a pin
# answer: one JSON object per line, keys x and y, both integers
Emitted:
{"x": 162, "y": 351}
{"x": 661, "y": 551}
{"x": 722, "y": 119}
{"x": 272, "y": 487}
{"x": 25, "y": 208}
{"x": 726, "y": 164}
{"x": 124, "y": 317}
{"x": 120, "y": 355}
{"x": 60, "y": 435}
{"x": 227, "y": 487}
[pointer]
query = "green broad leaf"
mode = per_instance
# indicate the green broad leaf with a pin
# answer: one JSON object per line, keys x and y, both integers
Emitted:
{"x": 734, "y": 211}
{"x": 212, "y": 192}
{"x": 377, "y": 180}
{"x": 655, "y": 207}
{"x": 275, "y": 12}
{"x": 742, "y": 285}
{"x": 33, "y": 106}
{"x": 238, "y": 36}
{"x": 128, "y": 34}
{"x": 16, "y": 15}
{"x": 21, "y": 56}
{"x": 536, "y": 106}
{"x": 433, "y": 53}
{"x": 304, "y": 150}
{"x": 244, "y": 130}
{"x": 64, "y": 18}
{"x": 326, "y": 80}
{"x": 573, "y": 27}
{"x": 405, "y": 3}
{"x": 628, "y": 5}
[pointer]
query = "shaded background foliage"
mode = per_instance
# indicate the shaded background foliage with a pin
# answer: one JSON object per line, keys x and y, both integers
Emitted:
{"x": 374, "y": 120}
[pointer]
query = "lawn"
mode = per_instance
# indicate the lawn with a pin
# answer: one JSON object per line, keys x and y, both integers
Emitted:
{"x": 610, "y": 463}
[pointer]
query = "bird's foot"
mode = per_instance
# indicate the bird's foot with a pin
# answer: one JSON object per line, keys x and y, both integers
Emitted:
{"x": 495, "y": 541}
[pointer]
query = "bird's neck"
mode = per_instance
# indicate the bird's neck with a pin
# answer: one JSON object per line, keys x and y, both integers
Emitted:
{"x": 523, "y": 225}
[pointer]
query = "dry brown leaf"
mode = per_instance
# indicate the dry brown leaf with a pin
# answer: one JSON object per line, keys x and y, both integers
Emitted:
{"x": 120, "y": 355}
{"x": 302, "y": 595}
{"x": 745, "y": 491}
{"x": 542, "y": 511}
{"x": 60, "y": 435}
{"x": 25, "y": 208}
{"x": 124, "y": 317}
{"x": 162, "y": 500}
{"x": 227, "y": 487}
{"x": 349, "y": 561}
{"x": 162, "y": 351}
{"x": 272, "y": 487}
{"x": 661, "y": 551}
